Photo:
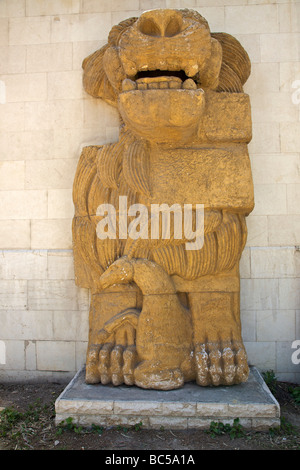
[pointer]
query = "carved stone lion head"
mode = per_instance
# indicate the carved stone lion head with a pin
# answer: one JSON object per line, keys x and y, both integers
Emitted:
{"x": 157, "y": 68}
{"x": 165, "y": 43}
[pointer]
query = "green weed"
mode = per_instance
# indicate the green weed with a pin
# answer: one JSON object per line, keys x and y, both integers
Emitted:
{"x": 285, "y": 428}
{"x": 22, "y": 427}
{"x": 68, "y": 425}
{"x": 270, "y": 379}
{"x": 138, "y": 426}
{"x": 234, "y": 431}
{"x": 9, "y": 418}
{"x": 97, "y": 429}
{"x": 295, "y": 392}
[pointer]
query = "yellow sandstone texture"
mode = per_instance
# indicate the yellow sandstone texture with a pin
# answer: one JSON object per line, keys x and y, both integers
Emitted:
{"x": 162, "y": 314}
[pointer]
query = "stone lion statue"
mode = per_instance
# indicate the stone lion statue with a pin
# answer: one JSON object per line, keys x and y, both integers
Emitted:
{"x": 162, "y": 312}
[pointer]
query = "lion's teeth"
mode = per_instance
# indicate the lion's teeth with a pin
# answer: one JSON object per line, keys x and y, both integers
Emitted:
{"x": 191, "y": 70}
{"x": 128, "y": 85}
{"x": 173, "y": 84}
{"x": 160, "y": 82}
{"x": 189, "y": 84}
{"x": 129, "y": 68}
{"x": 163, "y": 85}
{"x": 153, "y": 85}
{"x": 142, "y": 86}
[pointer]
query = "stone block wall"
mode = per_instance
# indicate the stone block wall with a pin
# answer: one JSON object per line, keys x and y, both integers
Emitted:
{"x": 45, "y": 120}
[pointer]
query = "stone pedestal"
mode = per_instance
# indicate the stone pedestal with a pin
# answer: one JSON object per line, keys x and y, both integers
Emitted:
{"x": 186, "y": 408}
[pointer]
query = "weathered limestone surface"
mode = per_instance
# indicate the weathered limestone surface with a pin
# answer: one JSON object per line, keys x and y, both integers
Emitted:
{"x": 173, "y": 313}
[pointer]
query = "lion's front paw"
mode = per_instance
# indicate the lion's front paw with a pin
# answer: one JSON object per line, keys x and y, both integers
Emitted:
{"x": 221, "y": 363}
{"x": 114, "y": 358}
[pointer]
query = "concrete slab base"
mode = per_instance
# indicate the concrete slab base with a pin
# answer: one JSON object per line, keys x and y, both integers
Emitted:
{"x": 189, "y": 407}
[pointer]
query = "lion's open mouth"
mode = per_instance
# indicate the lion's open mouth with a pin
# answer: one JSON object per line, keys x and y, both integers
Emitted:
{"x": 161, "y": 104}
{"x": 159, "y": 79}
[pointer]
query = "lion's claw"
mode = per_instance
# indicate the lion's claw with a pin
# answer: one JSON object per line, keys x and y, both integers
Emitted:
{"x": 218, "y": 364}
{"x": 114, "y": 358}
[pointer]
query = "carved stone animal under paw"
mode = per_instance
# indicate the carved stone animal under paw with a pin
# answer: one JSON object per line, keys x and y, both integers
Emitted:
{"x": 158, "y": 340}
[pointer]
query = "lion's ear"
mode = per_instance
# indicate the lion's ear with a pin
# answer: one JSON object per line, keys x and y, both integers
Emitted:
{"x": 95, "y": 81}
{"x": 236, "y": 65}
{"x": 117, "y": 30}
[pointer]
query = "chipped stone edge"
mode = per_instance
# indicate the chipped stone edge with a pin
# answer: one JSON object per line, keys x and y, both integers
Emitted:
{"x": 267, "y": 390}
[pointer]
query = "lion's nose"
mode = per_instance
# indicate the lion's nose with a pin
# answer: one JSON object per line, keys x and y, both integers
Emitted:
{"x": 166, "y": 23}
